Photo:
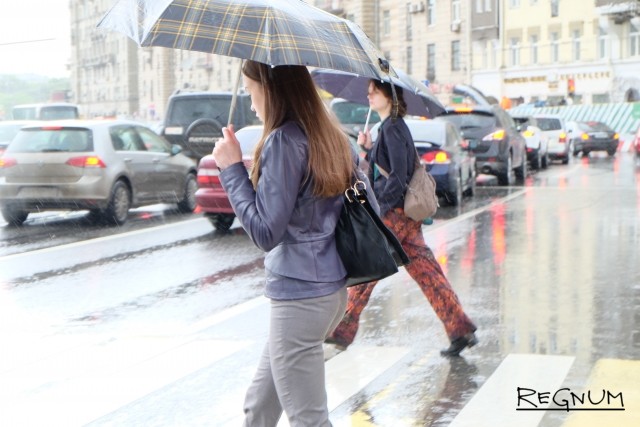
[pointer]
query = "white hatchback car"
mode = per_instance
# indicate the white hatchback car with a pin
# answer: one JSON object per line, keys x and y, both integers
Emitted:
{"x": 555, "y": 128}
{"x": 104, "y": 166}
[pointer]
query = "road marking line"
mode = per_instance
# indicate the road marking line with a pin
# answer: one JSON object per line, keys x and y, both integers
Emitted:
{"x": 614, "y": 376}
{"x": 494, "y": 405}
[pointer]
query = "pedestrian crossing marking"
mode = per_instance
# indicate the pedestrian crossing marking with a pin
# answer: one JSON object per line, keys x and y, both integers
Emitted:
{"x": 495, "y": 403}
{"x": 615, "y": 376}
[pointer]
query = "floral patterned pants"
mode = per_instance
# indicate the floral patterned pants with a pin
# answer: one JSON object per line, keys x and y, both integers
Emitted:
{"x": 424, "y": 269}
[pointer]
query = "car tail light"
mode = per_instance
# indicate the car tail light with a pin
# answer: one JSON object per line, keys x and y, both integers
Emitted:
{"x": 563, "y": 137}
{"x": 7, "y": 162}
{"x": 86, "y": 162}
{"x": 495, "y": 136}
{"x": 463, "y": 110}
{"x": 208, "y": 177}
{"x": 436, "y": 157}
{"x": 584, "y": 136}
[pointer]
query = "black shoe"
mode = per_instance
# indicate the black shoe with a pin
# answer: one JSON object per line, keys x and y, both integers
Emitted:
{"x": 460, "y": 344}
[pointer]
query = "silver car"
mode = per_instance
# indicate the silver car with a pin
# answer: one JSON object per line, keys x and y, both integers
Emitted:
{"x": 104, "y": 166}
{"x": 555, "y": 128}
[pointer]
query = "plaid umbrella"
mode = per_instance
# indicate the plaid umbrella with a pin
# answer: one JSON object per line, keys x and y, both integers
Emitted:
{"x": 274, "y": 32}
{"x": 352, "y": 87}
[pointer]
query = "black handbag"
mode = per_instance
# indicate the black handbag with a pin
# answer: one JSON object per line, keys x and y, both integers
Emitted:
{"x": 367, "y": 248}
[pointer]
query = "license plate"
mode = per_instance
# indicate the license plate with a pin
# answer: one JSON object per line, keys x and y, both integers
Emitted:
{"x": 39, "y": 192}
{"x": 600, "y": 135}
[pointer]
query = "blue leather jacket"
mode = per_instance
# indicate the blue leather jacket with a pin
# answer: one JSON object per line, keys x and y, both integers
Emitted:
{"x": 285, "y": 219}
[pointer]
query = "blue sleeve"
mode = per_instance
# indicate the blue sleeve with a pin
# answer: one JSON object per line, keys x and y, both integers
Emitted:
{"x": 266, "y": 212}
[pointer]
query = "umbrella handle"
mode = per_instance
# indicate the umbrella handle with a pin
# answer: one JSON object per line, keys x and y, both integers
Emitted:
{"x": 234, "y": 97}
{"x": 366, "y": 123}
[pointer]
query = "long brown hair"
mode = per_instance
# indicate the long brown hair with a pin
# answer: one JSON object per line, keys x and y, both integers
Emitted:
{"x": 290, "y": 94}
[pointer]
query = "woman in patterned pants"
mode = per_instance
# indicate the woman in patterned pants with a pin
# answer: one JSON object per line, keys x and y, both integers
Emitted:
{"x": 394, "y": 151}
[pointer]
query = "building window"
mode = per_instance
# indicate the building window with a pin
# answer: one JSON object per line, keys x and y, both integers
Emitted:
{"x": 533, "y": 49}
{"x": 555, "y": 47}
{"x": 479, "y": 6}
{"x": 514, "y": 4}
{"x": 386, "y": 22}
{"x": 409, "y": 22}
{"x": 455, "y": 10}
{"x": 455, "y": 55}
{"x": 431, "y": 12}
{"x": 487, "y": 5}
{"x": 514, "y": 51}
{"x": 495, "y": 50}
{"x": 603, "y": 42}
{"x": 634, "y": 40}
{"x": 575, "y": 44}
{"x": 431, "y": 62}
{"x": 554, "y": 8}
{"x": 408, "y": 66}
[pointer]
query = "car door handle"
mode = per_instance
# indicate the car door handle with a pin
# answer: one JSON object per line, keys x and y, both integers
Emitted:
{"x": 156, "y": 160}
{"x": 127, "y": 160}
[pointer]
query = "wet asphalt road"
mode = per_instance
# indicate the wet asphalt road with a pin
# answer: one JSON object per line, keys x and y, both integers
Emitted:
{"x": 160, "y": 322}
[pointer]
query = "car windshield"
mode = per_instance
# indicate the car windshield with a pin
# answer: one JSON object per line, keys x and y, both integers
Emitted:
{"x": 470, "y": 121}
{"x": 352, "y": 113}
{"x": 58, "y": 113}
{"x": 594, "y": 127}
{"x": 545, "y": 123}
{"x": 186, "y": 111}
{"x": 42, "y": 140}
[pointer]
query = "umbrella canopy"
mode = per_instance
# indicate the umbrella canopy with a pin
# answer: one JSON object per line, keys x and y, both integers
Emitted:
{"x": 274, "y": 32}
{"x": 352, "y": 87}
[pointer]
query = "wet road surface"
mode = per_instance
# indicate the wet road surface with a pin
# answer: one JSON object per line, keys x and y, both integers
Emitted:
{"x": 161, "y": 322}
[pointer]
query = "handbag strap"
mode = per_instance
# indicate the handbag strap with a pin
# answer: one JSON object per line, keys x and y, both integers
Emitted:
{"x": 416, "y": 164}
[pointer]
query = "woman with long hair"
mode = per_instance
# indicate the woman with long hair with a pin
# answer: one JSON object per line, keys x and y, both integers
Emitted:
{"x": 289, "y": 205}
{"x": 391, "y": 161}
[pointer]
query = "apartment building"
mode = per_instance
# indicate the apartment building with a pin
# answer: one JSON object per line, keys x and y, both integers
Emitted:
{"x": 524, "y": 49}
{"x": 573, "y": 50}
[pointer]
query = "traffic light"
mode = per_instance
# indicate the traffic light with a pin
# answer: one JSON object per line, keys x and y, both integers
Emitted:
{"x": 571, "y": 87}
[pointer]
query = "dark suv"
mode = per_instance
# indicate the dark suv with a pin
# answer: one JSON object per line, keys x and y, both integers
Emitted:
{"x": 499, "y": 148}
{"x": 194, "y": 120}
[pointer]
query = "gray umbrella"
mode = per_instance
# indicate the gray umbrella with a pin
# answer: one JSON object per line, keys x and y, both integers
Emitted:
{"x": 353, "y": 87}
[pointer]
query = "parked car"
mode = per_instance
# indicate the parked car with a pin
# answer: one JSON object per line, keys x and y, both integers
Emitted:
{"x": 592, "y": 136}
{"x": 194, "y": 120}
{"x": 210, "y": 196}
{"x": 498, "y": 147}
{"x": 555, "y": 128}
{"x": 9, "y": 129}
{"x": 537, "y": 142}
{"x": 104, "y": 166}
{"x": 447, "y": 157}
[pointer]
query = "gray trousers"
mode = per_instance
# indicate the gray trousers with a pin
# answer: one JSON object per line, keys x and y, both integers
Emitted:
{"x": 290, "y": 373}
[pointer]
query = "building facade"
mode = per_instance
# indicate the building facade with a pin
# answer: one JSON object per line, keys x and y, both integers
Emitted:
{"x": 526, "y": 50}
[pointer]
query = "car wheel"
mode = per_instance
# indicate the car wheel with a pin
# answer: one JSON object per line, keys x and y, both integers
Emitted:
{"x": 545, "y": 161}
{"x": 611, "y": 152}
{"x": 14, "y": 217}
{"x": 536, "y": 161}
{"x": 188, "y": 202}
{"x": 471, "y": 189}
{"x": 221, "y": 222}
{"x": 118, "y": 208}
{"x": 454, "y": 195}
{"x": 507, "y": 177}
{"x": 521, "y": 171}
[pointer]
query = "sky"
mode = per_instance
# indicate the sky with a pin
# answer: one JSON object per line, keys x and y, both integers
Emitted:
{"x": 34, "y": 37}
